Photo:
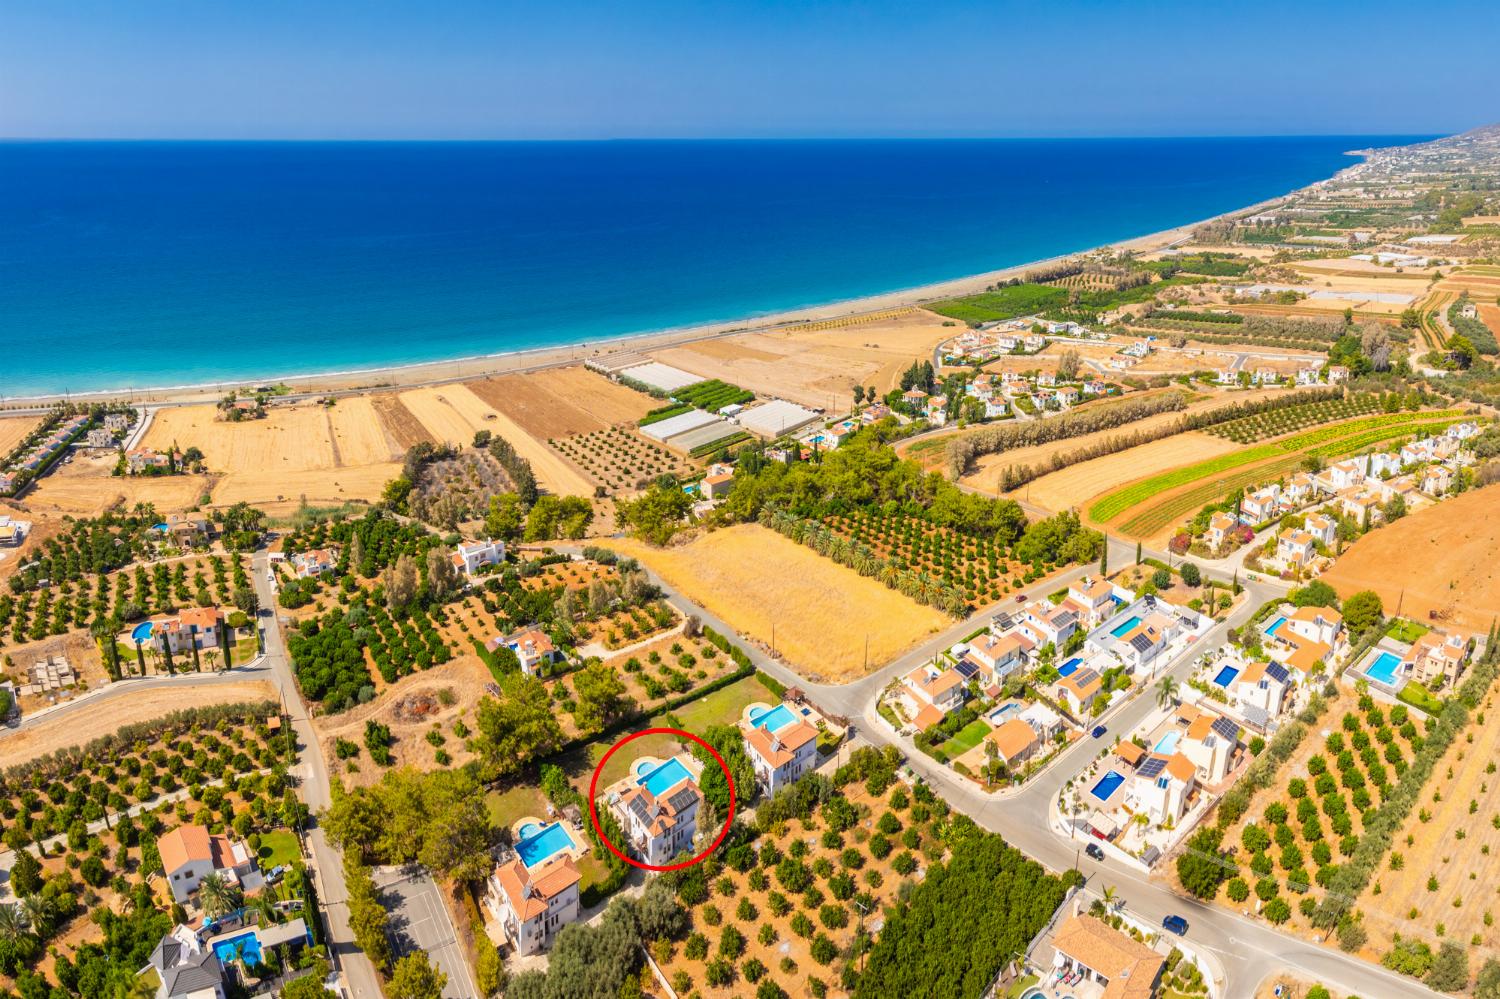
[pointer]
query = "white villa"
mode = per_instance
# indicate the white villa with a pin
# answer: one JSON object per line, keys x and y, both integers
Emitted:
{"x": 190, "y": 853}
{"x": 533, "y": 648}
{"x": 534, "y": 904}
{"x": 470, "y": 556}
{"x": 781, "y": 744}
{"x": 659, "y": 824}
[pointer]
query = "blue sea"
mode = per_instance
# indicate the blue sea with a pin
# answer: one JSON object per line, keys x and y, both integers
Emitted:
{"x": 141, "y": 264}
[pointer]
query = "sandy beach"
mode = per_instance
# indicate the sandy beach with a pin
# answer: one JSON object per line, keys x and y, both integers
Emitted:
{"x": 468, "y": 368}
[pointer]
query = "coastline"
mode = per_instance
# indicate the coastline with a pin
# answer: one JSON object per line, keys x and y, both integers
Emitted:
{"x": 449, "y": 370}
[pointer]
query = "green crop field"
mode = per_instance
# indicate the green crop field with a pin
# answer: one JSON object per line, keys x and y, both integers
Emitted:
{"x": 1154, "y": 518}
{"x": 1348, "y": 437}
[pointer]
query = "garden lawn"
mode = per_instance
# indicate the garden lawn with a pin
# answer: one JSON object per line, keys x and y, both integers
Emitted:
{"x": 508, "y": 807}
{"x": 277, "y": 847}
{"x": 966, "y": 738}
{"x": 1406, "y": 631}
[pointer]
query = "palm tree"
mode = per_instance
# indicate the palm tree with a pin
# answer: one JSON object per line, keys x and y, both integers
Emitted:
{"x": 217, "y": 896}
{"x": 36, "y": 910}
{"x": 1110, "y": 896}
{"x": 13, "y": 922}
{"x": 1166, "y": 692}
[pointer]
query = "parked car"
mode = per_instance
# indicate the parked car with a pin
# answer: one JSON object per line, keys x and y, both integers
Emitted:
{"x": 1094, "y": 850}
{"x": 1099, "y": 730}
{"x": 1175, "y": 924}
{"x": 1020, "y": 598}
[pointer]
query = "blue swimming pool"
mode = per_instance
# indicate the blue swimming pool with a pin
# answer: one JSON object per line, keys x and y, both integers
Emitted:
{"x": 1275, "y": 625}
{"x": 1002, "y": 714}
{"x": 244, "y": 947}
{"x": 1167, "y": 744}
{"x": 1226, "y": 676}
{"x": 541, "y": 845}
{"x": 663, "y": 778}
{"x": 1069, "y": 667}
{"x": 1384, "y": 667}
{"x": 529, "y": 829}
{"x": 1107, "y": 785}
{"x": 1125, "y": 626}
{"x": 773, "y": 719}
{"x": 141, "y": 632}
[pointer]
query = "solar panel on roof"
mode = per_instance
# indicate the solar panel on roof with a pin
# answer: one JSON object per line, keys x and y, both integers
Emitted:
{"x": 1141, "y": 643}
{"x": 638, "y": 808}
{"x": 1277, "y": 671}
{"x": 1152, "y": 766}
{"x": 682, "y": 799}
{"x": 966, "y": 669}
{"x": 1085, "y": 676}
{"x": 1226, "y": 728}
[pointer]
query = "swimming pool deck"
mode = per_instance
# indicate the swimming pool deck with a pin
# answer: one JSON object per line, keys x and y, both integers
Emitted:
{"x": 575, "y": 847}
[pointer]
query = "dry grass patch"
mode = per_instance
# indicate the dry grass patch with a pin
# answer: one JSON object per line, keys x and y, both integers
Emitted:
{"x": 1439, "y": 560}
{"x": 823, "y": 613}
{"x": 1076, "y": 485}
{"x": 305, "y": 450}
{"x": 557, "y": 402}
{"x": 88, "y": 487}
{"x": 816, "y": 367}
{"x": 453, "y": 413}
{"x": 143, "y": 703}
{"x": 13, "y": 430}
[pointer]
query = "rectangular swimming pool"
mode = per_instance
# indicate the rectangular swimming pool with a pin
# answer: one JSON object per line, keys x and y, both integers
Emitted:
{"x": 1069, "y": 668}
{"x": 665, "y": 777}
{"x": 1107, "y": 785}
{"x": 1384, "y": 668}
{"x": 1167, "y": 744}
{"x": 540, "y": 847}
{"x": 1226, "y": 676}
{"x": 1275, "y": 625}
{"x": 1124, "y": 627}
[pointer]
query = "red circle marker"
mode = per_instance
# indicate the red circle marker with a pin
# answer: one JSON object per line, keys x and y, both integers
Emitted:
{"x": 594, "y": 813}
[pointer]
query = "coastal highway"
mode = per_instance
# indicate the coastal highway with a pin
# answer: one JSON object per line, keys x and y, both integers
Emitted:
{"x": 1246, "y": 950}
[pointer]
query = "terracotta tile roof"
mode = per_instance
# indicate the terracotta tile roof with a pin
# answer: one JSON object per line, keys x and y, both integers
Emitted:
{"x": 1013, "y": 738}
{"x": 194, "y": 844}
{"x": 779, "y": 748}
{"x": 529, "y": 891}
{"x": 1316, "y": 614}
{"x": 1181, "y": 767}
{"x": 927, "y": 717}
{"x": 1306, "y": 654}
{"x": 1130, "y": 752}
{"x": 1201, "y": 726}
{"x": 1131, "y": 967}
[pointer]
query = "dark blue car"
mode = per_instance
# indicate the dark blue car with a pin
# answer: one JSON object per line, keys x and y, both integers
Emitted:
{"x": 1098, "y": 732}
{"x": 1175, "y": 924}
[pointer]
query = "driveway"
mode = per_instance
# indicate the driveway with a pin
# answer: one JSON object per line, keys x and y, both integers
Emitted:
{"x": 419, "y": 922}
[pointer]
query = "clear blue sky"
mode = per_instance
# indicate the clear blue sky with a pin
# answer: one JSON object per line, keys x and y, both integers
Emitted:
{"x": 624, "y": 68}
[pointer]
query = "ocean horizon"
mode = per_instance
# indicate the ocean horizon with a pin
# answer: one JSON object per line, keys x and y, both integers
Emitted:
{"x": 156, "y": 264}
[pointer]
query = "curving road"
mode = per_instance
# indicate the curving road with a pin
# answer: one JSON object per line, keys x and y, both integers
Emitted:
{"x": 1247, "y": 950}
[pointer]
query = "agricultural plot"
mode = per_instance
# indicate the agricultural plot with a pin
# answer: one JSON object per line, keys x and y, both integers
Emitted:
{"x": 980, "y": 569}
{"x": 14, "y": 430}
{"x": 1439, "y": 880}
{"x": 785, "y": 908}
{"x": 115, "y": 870}
{"x": 829, "y": 622}
{"x": 561, "y": 402}
{"x": 1298, "y": 832}
{"x": 1250, "y": 429}
{"x": 713, "y": 395}
{"x": 620, "y": 459}
{"x": 1437, "y": 562}
{"x": 1328, "y": 441}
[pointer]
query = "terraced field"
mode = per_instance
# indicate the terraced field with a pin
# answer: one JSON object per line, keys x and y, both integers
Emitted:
{"x": 1157, "y": 501}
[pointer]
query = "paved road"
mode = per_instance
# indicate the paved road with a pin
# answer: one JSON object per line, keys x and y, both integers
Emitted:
{"x": 1245, "y": 950}
{"x": 419, "y": 922}
{"x": 357, "y": 970}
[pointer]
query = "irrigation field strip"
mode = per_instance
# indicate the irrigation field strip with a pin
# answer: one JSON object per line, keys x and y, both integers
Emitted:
{"x": 1256, "y": 464}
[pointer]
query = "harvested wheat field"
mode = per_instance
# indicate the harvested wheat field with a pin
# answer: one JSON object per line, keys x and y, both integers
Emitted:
{"x": 1076, "y": 485}
{"x": 750, "y": 576}
{"x": 325, "y": 454}
{"x": 816, "y": 367}
{"x": 453, "y": 413}
{"x": 13, "y": 430}
{"x": 560, "y": 402}
{"x": 1441, "y": 559}
{"x": 1459, "y": 846}
{"x": 88, "y": 487}
{"x": 145, "y": 702}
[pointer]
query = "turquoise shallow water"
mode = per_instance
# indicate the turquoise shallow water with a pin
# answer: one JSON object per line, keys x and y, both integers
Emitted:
{"x": 159, "y": 263}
